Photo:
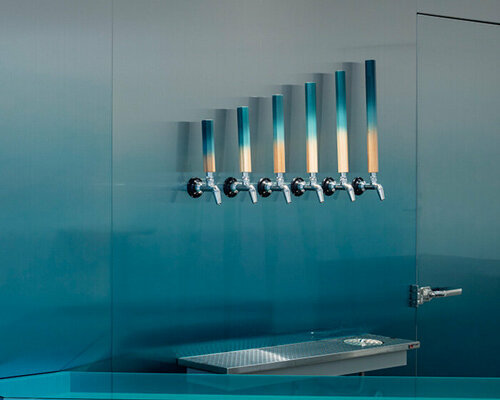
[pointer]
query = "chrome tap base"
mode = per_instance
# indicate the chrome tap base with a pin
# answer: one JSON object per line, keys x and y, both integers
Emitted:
{"x": 359, "y": 186}
{"x": 328, "y": 186}
{"x": 230, "y": 187}
{"x": 264, "y": 187}
{"x": 297, "y": 186}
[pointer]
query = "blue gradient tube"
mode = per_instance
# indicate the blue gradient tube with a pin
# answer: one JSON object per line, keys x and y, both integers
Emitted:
{"x": 342, "y": 142}
{"x": 371, "y": 115}
{"x": 279, "y": 134}
{"x": 244, "y": 140}
{"x": 311, "y": 129}
{"x": 207, "y": 133}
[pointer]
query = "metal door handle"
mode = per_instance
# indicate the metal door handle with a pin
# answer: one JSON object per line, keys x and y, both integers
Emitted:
{"x": 424, "y": 294}
{"x": 445, "y": 292}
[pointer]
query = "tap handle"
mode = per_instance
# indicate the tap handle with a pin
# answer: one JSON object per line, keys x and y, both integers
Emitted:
{"x": 311, "y": 129}
{"x": 279, "y": 134}
{"x": 342, "y": 143}
{"x": 207, "y": 132}
{"x": 244, "y": 140}
{"x": 371, "y": 115}
{"x": 426, "y": 293}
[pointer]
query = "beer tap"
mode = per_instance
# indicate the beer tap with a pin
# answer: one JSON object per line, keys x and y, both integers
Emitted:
{"x": 329, "y": 184}
{"x": 299, "y": 186}
{"x": 265, "y": 186}
{"x": 231, "y": 185}
{"x": 359, "y": 184}
{"x": 196, "y": 186}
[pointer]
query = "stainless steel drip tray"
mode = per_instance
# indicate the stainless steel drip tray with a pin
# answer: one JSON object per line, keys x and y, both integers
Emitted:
{"x": 335, "y": 356}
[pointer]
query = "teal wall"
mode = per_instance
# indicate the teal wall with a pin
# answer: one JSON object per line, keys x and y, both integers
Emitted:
{"x": 189, "y": 276}
{"x": 55, "y": 185}
{"x": 108, "y": 264}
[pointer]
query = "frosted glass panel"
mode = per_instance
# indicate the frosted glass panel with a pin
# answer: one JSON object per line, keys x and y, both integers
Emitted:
{"x": 458, "y": 208}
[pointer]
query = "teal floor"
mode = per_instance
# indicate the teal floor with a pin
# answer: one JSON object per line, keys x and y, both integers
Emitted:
{"x": 91, "y": 385}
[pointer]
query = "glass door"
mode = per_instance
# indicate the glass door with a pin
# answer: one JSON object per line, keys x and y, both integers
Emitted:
{"x": 458, "y": 195}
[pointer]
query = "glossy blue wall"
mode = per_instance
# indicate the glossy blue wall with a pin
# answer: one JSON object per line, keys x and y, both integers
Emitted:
{"x": 187, "y": 273}
{"x": 104, "y": 254}
{"x": 55, "y": 185}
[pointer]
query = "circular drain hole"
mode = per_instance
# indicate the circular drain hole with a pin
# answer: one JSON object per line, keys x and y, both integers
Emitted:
{"x": 363, "y": 342}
